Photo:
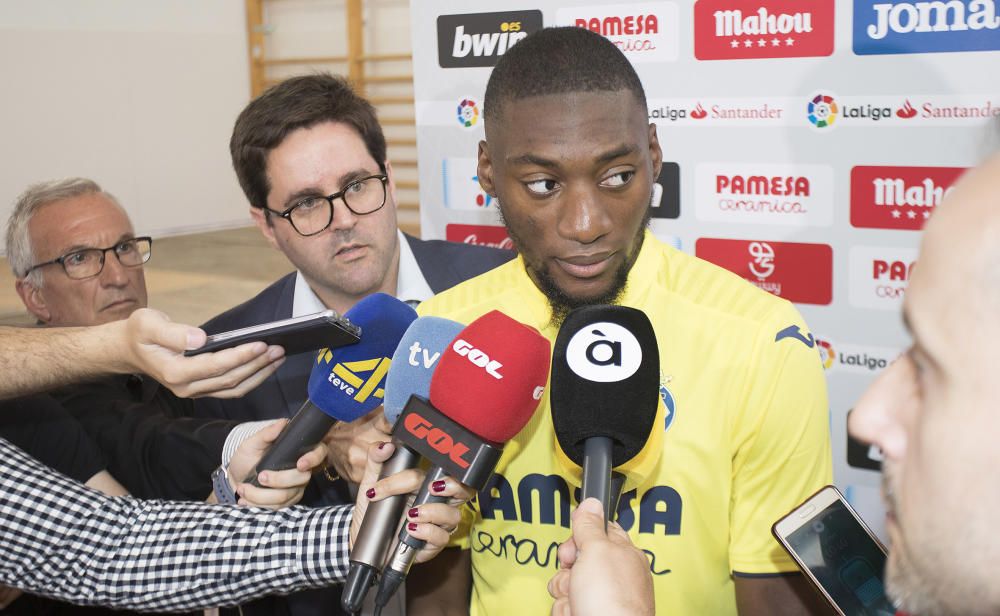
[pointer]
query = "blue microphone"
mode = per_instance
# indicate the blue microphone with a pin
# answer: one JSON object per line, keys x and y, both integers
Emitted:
{"x": 346, "y": 383}
{"x": 413, "y": 364}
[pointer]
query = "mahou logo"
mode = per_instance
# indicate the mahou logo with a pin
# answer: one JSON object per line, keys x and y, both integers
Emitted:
{"x": 758, "y": 193}
{"x": 646, "y": 32}
{"x": 891, "y": 27}
{"x": 736, "y": 29}
{"x": 478, "y": 39}
{"x": 898, "y": 197}
{"x": 480, "y": 235}
{"x": 797, "y": 272}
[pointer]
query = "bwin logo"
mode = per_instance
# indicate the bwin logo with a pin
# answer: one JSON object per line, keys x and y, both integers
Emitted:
{"x": 604, "y": 353}
{"x": 478, "y": 358}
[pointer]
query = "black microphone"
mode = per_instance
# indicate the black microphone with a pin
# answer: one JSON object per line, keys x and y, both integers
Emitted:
{"x": 605, "y": 389}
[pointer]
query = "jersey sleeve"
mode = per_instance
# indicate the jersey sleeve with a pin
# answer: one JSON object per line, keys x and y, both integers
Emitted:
{"x": 781, "y": 446}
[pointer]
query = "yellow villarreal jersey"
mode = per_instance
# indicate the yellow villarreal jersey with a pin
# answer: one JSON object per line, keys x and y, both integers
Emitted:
{"x": 744, "y": 439}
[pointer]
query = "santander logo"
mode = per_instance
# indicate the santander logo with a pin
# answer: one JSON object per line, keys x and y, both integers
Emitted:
{"x": 698, "y": 113}
{"x": 735, "y": 29}
{"x": 907, "y": 111}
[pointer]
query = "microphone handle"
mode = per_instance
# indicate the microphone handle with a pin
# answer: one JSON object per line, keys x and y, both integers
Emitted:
{"x": 407, "y": 548}
{"x": 376, "y": 534}
{"x": 301, "y": 434}
{"x": 597, "y": 473}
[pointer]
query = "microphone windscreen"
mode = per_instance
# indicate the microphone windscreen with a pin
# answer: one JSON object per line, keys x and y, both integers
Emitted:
{"x": 491, "y": 378}
{"x": 349, "y": 382}
{"x": 605, "y": 380}
{"x": 414, "y": 361}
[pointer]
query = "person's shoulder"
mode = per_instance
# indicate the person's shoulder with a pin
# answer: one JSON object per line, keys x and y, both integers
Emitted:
{"x": 459, "y": 253}
{"x": 485, "y": 289}
{"x": 714, "y": 288}
{"x": 258, "y": 309}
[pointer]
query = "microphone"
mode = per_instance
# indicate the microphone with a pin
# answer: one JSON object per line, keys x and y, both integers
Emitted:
{"x": 486, "y": 387}
{"x": 409, "y": 375}
{"x": 344, "y": 384}
{"x": 605, "y": 393}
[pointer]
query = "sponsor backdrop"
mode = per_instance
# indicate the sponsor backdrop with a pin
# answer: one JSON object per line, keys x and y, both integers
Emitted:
{"x": 808, "y": 141}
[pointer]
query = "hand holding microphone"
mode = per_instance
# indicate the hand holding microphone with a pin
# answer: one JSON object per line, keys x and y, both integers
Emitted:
{"x": 605, "y": 390}
{"x": 486, "y": 387}
{"x": 345, "y": 384}
{"x": 409, "y": 375}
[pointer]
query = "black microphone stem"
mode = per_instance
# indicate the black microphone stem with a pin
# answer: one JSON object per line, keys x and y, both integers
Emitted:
{"x": 597, "y": 472}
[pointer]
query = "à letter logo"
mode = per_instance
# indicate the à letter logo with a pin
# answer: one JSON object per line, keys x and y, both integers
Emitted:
{"x": 604, "y": 353}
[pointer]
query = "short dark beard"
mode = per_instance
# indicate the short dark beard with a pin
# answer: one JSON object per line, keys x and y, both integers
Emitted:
{"x": 562, "y": 303}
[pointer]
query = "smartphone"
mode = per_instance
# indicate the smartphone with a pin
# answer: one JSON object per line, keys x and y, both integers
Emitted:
{"x": 838, "y": 553}
{"x": 297, "y": 335}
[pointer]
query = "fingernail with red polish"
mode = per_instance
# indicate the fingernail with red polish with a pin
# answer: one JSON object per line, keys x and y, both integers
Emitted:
{"x": 412, "y": 512}
{"x": 381, "y": 444}
{"x": 438, "y": 486}
{"x": 412, "y": 526}
{"x": 370, "y": 493}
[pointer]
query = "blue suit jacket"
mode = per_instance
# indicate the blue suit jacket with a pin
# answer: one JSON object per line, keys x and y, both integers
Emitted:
{"x": 443, "y": 264}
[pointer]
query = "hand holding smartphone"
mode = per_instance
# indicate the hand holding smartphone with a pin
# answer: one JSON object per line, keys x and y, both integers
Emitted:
{"x": 838, "y": 553}
{"x": 296, "y": 335}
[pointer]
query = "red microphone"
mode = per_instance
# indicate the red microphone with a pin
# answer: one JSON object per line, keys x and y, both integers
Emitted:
{"x": 487, "y": 385}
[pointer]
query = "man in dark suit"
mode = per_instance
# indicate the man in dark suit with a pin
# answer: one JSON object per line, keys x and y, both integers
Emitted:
{"x": 311, "y": 158}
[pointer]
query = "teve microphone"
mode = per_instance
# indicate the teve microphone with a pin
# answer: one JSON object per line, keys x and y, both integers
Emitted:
{"x": 486, "y": 387}
{"x": 344, "y": 384}
{"x": 413, "y": 363}
{"x": 605, "y": 390}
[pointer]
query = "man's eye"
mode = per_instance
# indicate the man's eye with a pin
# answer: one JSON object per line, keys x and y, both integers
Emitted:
{"x": 125, "y": 247}
{"x": 541, "y": 187}
{"x": 76, "y": 258}
{"x": 618, "y": 179}
{"x": 309, "y": 204}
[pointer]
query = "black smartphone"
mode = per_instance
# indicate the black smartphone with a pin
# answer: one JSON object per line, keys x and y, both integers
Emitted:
{"x": 297, "y": 335}
{"x": 838, "y": 553}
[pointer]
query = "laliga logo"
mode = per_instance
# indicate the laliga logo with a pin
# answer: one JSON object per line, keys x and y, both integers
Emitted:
{"x": 478, "y": 358}
{"x": 604, "y": 352}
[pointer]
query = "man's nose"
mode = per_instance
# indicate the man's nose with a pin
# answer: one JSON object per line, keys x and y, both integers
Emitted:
{"x": 878, "y": 417}
{"x": 583, "y": 218}
{"x": 114, "y": 273}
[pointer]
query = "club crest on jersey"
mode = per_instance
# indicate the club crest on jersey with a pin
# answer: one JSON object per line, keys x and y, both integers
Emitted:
{"x": 668, "y": 401}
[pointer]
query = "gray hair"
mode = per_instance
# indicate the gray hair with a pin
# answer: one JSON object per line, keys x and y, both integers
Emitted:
{"x": 19, "y": 253}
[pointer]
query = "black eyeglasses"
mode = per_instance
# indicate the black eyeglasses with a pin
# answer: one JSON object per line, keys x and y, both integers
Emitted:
{"x": 89, "y": 262}
{"x": 313, "y": 215}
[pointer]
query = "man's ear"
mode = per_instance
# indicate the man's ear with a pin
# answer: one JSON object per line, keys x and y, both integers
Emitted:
{"x": 655, "y": 153}
{"x": 485, "y": 170}
{"x": 390, "y": 183}
{"x": 34, "y": 299}
{"x": 261, "y": 219}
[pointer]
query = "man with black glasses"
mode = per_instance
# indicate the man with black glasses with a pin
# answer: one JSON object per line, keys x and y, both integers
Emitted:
{"x": 311, "y": 158}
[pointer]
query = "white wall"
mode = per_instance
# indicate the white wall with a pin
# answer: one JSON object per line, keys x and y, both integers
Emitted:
{"x": 139, "y": 95}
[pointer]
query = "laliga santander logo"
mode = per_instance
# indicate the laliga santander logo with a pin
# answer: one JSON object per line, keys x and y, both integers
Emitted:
{"x": 826, "y": 353}
{"x": 822, "y": 110}
{"x": 906, "y": 111}
{"x": 604, "y": 352}
{"x": 468, "y": 112}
